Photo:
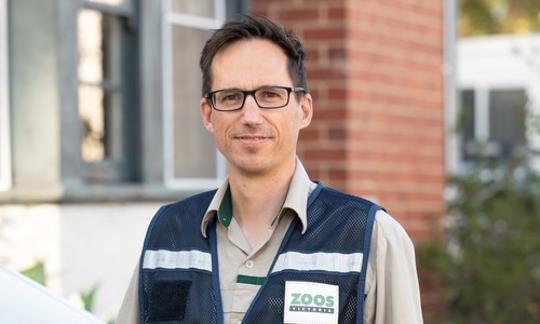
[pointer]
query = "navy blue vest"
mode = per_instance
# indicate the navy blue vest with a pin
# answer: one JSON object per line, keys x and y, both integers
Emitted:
{"x": 179, "y": 277}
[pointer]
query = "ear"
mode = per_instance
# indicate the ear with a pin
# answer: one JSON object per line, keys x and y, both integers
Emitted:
{"x": 306, "y": 107}
{"x": 206, "y": 114}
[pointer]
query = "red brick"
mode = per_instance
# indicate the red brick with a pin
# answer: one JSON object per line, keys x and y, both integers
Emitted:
{"x": 338, "y": 174}
{"x": 374, "y": 69}
{"x": 337, "y": 93}
{"x": 337, "y": 13}
{"x": 321, "y": 33}
{"x": 263, "y": 13}
{"x": 309, "y": 134}
{"x": 312, "y": 55}
{"x": 298, "y": 14}
{"x": 330, "y": 114}
{"x": 337, "y": 133}
{"x": 325, "y": 154}
{"x": 396, "y": 100}
{"x": 395, "y": 41}
{"x": 326, "y": 73}
{"x": 337, "y": 53}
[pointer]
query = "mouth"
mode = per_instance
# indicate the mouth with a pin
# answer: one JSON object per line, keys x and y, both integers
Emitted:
{"x": 252, "y": 139}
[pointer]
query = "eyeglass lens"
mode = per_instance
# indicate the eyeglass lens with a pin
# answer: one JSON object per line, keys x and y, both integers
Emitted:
{"x": 268, "y": 97}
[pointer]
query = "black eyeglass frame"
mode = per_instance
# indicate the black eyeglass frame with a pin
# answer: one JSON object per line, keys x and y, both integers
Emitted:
{"x": 210, "y": 96}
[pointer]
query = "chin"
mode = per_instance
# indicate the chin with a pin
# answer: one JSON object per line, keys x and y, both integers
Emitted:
{"x": 253, "y": 165}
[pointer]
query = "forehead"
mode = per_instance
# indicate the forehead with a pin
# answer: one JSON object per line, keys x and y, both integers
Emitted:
{"x": 247, "y": 64}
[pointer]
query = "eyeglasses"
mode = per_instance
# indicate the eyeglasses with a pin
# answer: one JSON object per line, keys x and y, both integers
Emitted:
{"x": 267, "y": 97}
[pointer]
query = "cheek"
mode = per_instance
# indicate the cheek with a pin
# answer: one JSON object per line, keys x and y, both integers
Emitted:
{"x": 291, "y": 128}
{"x": 219, "y": 130}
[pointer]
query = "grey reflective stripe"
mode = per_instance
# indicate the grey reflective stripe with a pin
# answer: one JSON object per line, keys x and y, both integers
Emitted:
{"x": 335, "y": 262}
{"x": 166, "y": 259}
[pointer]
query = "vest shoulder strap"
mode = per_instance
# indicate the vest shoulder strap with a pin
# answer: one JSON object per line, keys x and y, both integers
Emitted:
{"x": 179, "y": 219}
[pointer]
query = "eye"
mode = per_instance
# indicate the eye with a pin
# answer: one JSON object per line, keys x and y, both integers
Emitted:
{"x": 271, "y": 94}
{"x": 228, "y": 97}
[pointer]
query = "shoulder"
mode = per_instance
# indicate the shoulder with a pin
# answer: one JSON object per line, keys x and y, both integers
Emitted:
{"x": 388, "y": 225}
{"x": 391, "y": 281}
{"x": 340, "y": 198}
{"x": 350, "y": 213}
{"x": 388, "y": 233}
{"x": 188, "y": 208}
{"x": 190, "y": 204}
{"x": 198, "y": 200}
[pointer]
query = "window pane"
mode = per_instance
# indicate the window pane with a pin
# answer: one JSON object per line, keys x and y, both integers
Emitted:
{"x": 100, "y": 88}
{"x": 194, "y": 149}
{"x": 90, "y": 41}
{"x": 91, "y": 95}
{"x": 507, "y": 120}
{"x": 92, "y": 112}
{"x": 467, "y": 124}
{"x": 203, "y": 8}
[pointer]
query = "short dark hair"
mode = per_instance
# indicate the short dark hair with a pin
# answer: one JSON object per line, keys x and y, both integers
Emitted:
{"x": 251, "y": 27}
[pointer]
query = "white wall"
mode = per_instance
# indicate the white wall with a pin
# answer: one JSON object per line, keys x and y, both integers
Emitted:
{"x": 5, "y": 147}
{"x": 82, "y": 245}
{"x": 499, "y": 61}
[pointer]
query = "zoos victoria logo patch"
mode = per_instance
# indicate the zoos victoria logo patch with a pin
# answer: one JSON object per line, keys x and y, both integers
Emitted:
{"x": 310, "y": 302}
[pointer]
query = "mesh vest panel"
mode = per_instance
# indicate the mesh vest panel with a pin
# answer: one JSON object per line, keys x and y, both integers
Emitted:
{"x": 337, "y": 223}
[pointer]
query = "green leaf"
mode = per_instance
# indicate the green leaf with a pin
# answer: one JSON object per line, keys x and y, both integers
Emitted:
{"x": 36, "y": 273}
{"x": 88, "y": 297}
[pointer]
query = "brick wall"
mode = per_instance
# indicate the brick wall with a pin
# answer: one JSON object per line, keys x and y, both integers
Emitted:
{"x": 323, "y": 29}
{"x": 374, "y": 70}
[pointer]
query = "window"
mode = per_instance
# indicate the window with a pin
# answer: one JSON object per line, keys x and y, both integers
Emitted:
{"x": 107, "y": 100}
{"x": 120, "y": 87}
{"x": 191, "y": 160}
{"x": 507, "y": 121}
{"x": 492, "y": 122}
{"x": 5, "y": 154}
{"x": 467, "y": 124}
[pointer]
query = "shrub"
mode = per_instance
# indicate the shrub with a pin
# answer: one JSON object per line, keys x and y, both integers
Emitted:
{"x": 487, "y": 264}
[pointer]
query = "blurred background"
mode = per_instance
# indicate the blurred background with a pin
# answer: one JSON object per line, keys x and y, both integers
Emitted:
{"x": 428, "y": 107}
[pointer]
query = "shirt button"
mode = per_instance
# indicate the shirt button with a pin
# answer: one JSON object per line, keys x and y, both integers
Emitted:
{"x": 249, "y": 264}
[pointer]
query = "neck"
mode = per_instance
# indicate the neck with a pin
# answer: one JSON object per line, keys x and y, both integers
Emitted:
{"x": 257, "y": 199}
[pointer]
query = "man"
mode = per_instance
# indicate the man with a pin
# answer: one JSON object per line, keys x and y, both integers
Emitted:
{"x": 269, "y": 246}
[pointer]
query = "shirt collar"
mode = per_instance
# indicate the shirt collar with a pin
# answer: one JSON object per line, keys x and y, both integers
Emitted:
{"x": 296, "y": 200}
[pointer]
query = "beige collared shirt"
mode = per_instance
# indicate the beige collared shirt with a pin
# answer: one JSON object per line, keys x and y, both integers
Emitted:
{"x": 391, "y": 281}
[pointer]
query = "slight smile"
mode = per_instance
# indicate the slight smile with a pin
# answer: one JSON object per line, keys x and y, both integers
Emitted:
{"x": 252, "y": 139}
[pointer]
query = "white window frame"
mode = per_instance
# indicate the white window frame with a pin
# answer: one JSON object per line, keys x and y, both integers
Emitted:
{"x": 482, "y": 111}
{"x": 171, "y": 19}
{"x": 476, "y": 72}
{"x": 5, "y": 146}
{"x": 449, "y": 69}
{"x": 481, "y": 106}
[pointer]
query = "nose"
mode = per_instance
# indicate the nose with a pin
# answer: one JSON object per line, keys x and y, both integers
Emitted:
{"x": 251, "y": 113}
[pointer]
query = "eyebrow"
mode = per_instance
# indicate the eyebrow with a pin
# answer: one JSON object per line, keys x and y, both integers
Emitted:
{"x": 259, "y": 87}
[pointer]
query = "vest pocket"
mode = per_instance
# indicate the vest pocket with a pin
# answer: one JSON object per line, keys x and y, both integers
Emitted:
{"x": 167, "y": 300}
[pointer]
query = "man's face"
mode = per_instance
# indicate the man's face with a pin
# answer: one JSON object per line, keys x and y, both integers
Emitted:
{"x": 254, "y": 140}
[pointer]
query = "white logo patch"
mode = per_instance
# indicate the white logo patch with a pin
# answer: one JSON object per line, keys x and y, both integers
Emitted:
{"x": 311, "y": 303}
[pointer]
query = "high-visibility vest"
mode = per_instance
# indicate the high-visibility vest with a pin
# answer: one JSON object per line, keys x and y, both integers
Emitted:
{"x": 179, "y": 274}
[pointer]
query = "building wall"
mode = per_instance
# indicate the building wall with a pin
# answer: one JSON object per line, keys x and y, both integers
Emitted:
{"x": 81, "y": 245}
{"x": 375, "y": 72}
{"x": 374, "y": 69}
{"x": 512, "y": 64}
